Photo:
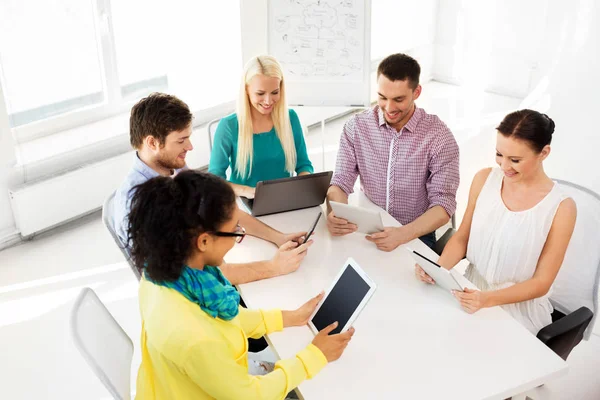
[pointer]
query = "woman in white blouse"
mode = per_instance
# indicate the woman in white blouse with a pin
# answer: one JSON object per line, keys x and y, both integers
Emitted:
{"x": 516, "y": 228}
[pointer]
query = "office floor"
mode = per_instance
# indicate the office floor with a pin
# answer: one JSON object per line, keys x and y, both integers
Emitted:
{"x": 40, "y": 279}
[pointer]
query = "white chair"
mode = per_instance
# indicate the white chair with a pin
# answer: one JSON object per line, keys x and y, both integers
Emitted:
{"x": 575, "y": 291}
{"x": 108, "y": 220}
{"x": 103, "y": 343}
{"x": 212, "y": 128}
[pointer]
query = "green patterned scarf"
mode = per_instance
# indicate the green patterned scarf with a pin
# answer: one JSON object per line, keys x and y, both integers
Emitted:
{"x": 209, "y": 289}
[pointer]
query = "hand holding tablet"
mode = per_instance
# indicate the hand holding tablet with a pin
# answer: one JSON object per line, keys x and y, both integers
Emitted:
{"x": 339, "y": 226}
{"x": 366, "y": 221}
{"x": 348, "y": 295}
{"x": 440, "y": 276}
{"x": 332, "y": 346}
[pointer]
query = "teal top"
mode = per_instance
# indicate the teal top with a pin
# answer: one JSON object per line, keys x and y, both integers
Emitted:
{"x": 268, "y": 158}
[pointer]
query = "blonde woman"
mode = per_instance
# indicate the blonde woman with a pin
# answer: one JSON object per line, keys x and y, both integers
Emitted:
{"x": 264, "y": 139}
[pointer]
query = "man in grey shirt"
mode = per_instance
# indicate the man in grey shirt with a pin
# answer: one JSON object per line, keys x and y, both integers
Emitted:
{"x": 160, "y": 127}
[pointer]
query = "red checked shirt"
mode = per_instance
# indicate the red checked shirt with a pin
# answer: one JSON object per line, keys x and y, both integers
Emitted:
{"x": 407, "y": 172}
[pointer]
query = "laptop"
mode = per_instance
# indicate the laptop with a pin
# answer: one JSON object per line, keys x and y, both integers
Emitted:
{"x": 287, "y": 194}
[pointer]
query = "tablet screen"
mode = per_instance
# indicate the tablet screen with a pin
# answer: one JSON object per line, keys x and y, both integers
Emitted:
{"x": 341, "y": 302}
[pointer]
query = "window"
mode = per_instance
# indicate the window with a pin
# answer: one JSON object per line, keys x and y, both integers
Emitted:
{"x": 49, "y": 58}
{"x": 70, "y": 62}
{"x": 141, "y": 43}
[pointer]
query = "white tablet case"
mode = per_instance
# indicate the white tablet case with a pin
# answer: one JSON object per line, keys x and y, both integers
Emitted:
{"x": 350, "y": 263}
{"x": 440, "y": 275}
{"x": 368, "y": 221}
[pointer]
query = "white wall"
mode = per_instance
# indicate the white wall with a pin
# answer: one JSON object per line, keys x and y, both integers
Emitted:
{"x": 494, "y": 45}
{"x": 7, "y": 160}
{"x": 403, "y": 26}
{"x": 254, "y": 19}
{"x": 568, "y": 91}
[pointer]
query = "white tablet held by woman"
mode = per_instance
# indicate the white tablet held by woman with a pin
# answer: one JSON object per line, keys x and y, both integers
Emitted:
{"x": 367, "y": 221}
{"x": 345, "y": 299}
{"x": 440, "y": 275}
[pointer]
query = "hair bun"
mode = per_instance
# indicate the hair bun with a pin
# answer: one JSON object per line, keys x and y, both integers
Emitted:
{"x": 551, "y": 125}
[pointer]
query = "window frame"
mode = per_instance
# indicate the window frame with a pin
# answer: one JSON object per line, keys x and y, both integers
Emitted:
{"x": 114, "y": 104}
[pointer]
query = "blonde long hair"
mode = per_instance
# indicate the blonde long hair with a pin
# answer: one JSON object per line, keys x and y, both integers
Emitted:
{"x": 267, "y": 66}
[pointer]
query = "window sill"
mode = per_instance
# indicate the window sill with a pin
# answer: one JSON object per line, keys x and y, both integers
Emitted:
{"x": 73, "y": 148}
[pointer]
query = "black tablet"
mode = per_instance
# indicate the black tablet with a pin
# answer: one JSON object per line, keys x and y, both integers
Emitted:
{"x": 345, "y": 299}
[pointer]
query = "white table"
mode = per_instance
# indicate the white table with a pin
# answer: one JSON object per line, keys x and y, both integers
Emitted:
{"x": 412, "y": 340}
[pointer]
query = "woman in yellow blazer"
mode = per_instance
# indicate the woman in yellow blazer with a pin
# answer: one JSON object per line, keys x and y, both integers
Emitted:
{"x": 194, "y": 333}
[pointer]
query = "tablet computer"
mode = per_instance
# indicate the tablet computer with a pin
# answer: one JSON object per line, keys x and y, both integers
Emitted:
{"x": 349, "y": 293}
{"x": 440, "y": 275}
{"x": 367, "y": 221}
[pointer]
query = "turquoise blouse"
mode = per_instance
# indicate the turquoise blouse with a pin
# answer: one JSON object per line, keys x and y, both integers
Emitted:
{"x": 268, "y": 158}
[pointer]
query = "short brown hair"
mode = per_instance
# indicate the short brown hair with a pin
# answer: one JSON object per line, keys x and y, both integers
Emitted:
{"x": 157, "y": 115}
{"x": 400, "y": 67}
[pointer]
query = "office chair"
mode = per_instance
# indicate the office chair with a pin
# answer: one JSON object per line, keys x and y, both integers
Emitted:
{"x": 108, "y": 220}
{"x": 102, "y": 342}
{"x": 439, "y": 245}
{"x": 574, "y": 293}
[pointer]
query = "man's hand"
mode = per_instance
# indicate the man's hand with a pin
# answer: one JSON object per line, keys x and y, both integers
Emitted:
{"x": 339, "y": 226}
{"x": 297, "y": 237}
{"x": 390, "y": 238}
{"x": 289, "y": 256}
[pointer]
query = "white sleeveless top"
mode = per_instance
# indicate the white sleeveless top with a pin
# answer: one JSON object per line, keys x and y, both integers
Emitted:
{"x": 504, "y": 247}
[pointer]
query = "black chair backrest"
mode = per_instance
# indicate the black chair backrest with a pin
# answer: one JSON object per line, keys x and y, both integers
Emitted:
{"x": 566, "y": 332}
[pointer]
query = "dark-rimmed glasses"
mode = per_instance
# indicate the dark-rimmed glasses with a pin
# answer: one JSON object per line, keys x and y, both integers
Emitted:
{"x": 239, "y": 233}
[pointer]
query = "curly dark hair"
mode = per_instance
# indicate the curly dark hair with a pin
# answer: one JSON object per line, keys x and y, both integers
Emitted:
{"x": 528, "y": 125}
{"x": 168, "y": 214}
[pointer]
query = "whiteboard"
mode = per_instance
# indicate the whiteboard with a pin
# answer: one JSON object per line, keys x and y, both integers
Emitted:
{"x": 324, "y": 49}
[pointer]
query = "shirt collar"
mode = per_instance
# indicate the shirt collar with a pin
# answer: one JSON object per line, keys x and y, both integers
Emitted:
{"x": 380, "y": 117}
{"x": 143, "y": 168}
{"x": 412, "y": 123}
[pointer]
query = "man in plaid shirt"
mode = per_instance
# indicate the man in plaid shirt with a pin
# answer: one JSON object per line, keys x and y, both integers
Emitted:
{"x": 407, "y": 160}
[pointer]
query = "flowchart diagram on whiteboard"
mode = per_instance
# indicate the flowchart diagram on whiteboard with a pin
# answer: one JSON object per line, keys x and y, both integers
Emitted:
{"x": 323, "y": 47}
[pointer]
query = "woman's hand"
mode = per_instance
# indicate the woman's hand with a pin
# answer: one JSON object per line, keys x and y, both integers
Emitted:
{"x": 471, "y": 300}
{"x": 300, "y": 316}
{"x": 422, "y": 275}
{"x": 332, "y": 346}
{"x": 248, "y": 192}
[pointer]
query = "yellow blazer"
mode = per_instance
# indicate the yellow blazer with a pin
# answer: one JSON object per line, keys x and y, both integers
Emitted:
{"x": 187, "y": 354}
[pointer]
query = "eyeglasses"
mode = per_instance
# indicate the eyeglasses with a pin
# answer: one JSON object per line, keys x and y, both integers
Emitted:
{"x": 239, "y": 233}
